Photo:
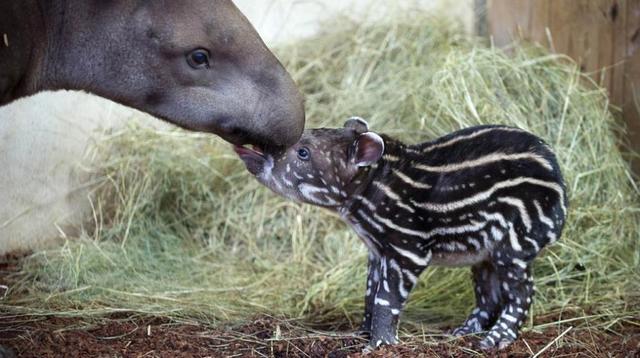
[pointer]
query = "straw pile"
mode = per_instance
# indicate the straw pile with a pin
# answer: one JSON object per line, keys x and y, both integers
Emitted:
{"x": 181, "y": 230}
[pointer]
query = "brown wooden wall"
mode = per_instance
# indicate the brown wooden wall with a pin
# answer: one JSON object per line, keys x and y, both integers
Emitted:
{"x": 602, "y": 35}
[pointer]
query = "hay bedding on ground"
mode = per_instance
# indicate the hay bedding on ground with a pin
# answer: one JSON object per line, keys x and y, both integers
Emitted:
{"x": 181, "y": 231}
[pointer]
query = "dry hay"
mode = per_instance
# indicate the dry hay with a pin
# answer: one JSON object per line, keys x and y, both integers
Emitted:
{"x": 181, "y": 230}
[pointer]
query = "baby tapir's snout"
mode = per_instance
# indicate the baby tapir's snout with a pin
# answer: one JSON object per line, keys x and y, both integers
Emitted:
{"x": 320, "y": 168}
{"x": 489, "y": 197}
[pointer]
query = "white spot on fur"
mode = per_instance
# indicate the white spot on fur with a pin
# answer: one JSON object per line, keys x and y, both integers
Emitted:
{"x": 496, "y": 234}
{"x": 311, "y": 192}
{"x": 509, "y": 318}
{"x": 520, "y": 263}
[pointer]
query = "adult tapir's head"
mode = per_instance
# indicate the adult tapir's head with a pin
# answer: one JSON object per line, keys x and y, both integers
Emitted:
{"x": 196, "y": 63}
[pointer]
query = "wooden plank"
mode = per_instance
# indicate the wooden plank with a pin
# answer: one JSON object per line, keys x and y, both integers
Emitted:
{"x": 603, "y": 36}
{"x": 539, "y": 14}
{"x": 560, "y": 26}
{"x": 579, "y": 28}
{"x": 520, "y": 11}
{"x": 507, "y": 19}
{"x": 618, "y": 18}
{"x": 631, "y": 105}
{"x": 499, "y": 22}
{"x": 606, "y": 35}
{"x": 480, "y": 20}
{"x": 583, "y": 29}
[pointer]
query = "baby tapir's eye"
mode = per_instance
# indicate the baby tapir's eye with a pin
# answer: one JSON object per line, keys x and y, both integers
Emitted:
{"x": 303, "y": 153}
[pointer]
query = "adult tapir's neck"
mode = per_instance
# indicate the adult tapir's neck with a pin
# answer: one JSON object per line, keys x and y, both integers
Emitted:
{"x": 32, "y": 32}
{"x": 53, "y": 44}
{"x": 22, "y": 42}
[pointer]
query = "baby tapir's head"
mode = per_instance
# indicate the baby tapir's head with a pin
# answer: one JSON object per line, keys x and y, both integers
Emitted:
{"x": 321, "y": 168}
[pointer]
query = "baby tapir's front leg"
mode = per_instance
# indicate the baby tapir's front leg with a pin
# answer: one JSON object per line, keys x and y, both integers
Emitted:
{"x": 396, "y": 277}
{"x": 373, "y": 277}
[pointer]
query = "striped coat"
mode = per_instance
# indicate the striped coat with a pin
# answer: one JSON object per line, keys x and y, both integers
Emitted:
{"x": 489, "y": 197}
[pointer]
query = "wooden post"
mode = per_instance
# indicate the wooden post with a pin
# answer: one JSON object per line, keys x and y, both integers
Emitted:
{"x": 631, "y": 75}
{"x": 480, "y": 21}
{"x": 603, "y": 36}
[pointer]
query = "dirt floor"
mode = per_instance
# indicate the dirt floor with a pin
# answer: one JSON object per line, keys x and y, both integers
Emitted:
{"x": 127, "y": 337}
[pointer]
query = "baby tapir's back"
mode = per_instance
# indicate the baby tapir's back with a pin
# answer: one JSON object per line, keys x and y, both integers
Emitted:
{"x": 468, "y": 193}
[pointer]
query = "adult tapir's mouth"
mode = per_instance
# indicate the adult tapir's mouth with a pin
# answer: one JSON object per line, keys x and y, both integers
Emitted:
{"x": 253, "y": 158}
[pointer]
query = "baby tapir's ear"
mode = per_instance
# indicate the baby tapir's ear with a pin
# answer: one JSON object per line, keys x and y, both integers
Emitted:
{"x": 368, "y": 149}
{"x": 357, "y": 123}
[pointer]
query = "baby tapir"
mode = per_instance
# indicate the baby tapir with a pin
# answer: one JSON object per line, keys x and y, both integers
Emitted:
{"x": 489, "y": 197}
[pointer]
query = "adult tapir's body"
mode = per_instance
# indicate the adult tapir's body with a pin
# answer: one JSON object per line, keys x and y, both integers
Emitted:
{"x": 198, "y": 63}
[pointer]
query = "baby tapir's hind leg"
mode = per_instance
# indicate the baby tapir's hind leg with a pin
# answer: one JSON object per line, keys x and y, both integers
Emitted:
{"x": 516, "y": 286}
{"x": 488, "y": 300}
{"x": 390, "y": 294}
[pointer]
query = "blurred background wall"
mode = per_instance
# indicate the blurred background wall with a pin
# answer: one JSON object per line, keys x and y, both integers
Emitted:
{"x": 281, "y": 21}
{"x": 602, "y": 36}
{"x": 43, "y": 186}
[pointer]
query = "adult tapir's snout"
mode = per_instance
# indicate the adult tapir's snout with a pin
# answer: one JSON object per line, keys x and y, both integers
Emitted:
{"x": 198, "y": 64}
{"x": 270, "y": 112}
{"x": 226, "y": 80}
{"x": 245, "y": 96}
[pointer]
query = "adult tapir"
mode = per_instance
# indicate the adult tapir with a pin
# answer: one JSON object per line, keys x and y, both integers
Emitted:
{"x": 196, "y": 63}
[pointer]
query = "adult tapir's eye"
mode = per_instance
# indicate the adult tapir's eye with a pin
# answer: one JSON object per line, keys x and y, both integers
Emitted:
{"x": 303, "y": 153}
{"x": 198, "y": 58}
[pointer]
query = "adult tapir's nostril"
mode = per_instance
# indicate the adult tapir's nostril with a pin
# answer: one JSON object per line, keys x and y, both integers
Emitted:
{"x": 237, "y": 135}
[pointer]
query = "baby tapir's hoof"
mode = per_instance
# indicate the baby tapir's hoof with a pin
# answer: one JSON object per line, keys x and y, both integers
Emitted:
{"x": 467, "y": 329}
{"x": 491, "y": 342}
{"x": 385, "y": 340}
{"x": 495, "y": 338}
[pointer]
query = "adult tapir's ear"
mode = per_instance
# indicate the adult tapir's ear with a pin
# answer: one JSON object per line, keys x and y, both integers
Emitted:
{"x": 357, "y": 123}
{"x": 368, "y": 149}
